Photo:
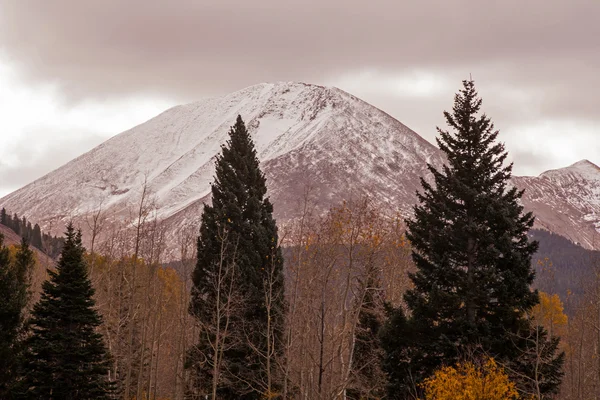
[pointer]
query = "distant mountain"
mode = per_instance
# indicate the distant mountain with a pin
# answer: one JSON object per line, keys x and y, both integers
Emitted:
{"x": 10, "y": 238}
{"x": 566, "y": 201}
{"x": 310, "y": 139}
{"x": 562, "y": 266}
{"x": 306, "y": 136}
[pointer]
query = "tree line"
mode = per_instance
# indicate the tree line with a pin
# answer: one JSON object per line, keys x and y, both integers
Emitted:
{"x": 51, "y": 245}
{"x": 368, "y": 306}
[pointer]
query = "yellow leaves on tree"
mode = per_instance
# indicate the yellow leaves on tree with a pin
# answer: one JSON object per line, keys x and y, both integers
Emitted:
{"x": 550, "y": 313}
{"x": 469, "y": 382}
{"x": 171, "y": 281}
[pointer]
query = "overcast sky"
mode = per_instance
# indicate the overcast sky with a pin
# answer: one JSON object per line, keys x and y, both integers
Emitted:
{"x": 74, "y": 73}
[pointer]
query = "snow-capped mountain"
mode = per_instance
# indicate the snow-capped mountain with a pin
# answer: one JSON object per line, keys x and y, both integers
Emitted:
{"x": 309, "y": 138}
{"x": 566, "y": 201}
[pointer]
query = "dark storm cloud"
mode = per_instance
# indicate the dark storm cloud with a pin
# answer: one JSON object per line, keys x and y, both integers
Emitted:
{"x": 534, "y": 60}
{"x": 195, "y": 47}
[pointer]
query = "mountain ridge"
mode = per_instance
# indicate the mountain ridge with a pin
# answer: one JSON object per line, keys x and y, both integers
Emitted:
{"x": 305, "y": 135}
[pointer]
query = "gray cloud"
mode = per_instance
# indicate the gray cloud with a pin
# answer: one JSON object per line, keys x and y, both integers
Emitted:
{"x": 190, "y": 47}
{"x": 533, "y": 60}
{"x": 35, "y": 161}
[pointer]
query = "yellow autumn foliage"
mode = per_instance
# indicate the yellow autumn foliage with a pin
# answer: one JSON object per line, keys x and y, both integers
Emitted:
{"x": 549, "y": 312}
{"x": 469, "y": 382}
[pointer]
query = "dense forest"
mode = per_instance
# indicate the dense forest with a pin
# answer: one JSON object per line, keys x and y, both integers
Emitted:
{"x": 357, "y": 303}
{"x": 562, "y": 266}
{"x": 50, "y": 245}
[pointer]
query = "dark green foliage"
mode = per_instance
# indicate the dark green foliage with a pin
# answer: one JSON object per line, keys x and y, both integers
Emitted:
{"x": 29, "y": 230}
{"x": 51, "y": 246}
{"x": 8, "y": 328}
{"x": 36, "y": 237}
{"x": 6, "y": 220}
{"x": 65, "y": 356}
{"x": 396, "y": 337}
{"x": 473, "y": 257}
{"x": 240, "y": 226}
{"x": 565, "y": 266}
{"x": 15, "y": 279}
{"x": 539, "y": 363}
{"x": 368, "y": 379}
{"x": 16, "y": 224}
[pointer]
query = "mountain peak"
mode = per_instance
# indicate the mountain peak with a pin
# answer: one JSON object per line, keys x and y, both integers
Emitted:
{"x": 583, "y": 169}
{"x": 312, "y": 140}
{"x": 584, "y": 165}
{"x": 304, "y": 133}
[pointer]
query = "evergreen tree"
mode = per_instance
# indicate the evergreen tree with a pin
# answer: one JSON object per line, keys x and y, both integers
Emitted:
{"x": 23, "y": 227}
{"x": 469, "y": 238}
{"x": 9, "y": 222}
{"x": 398, "y": 337}
{"x": 29, "y": 231}
{"x": 16, "y": 224}
{"x": 539, "y": 365}
{"x": 36, "y": 237}
{"x": 65, "y": 358}
{"x": 368, "y": 380}
{"x": 15, "y": 280}
{"x": 3, "y": 217}
{"x": 8, "y": 326}
{"x": 241, "y": 216}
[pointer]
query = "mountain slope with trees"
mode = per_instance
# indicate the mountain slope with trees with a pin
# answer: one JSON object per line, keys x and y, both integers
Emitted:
{"x": 306, "y": 136}
{"x": 238, "y": 284}
{"x": 471, "y": 294}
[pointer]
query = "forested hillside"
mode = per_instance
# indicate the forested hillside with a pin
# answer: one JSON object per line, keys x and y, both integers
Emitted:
{"x": 354, "y": 302}
{"x": 562, "y": 266}
{"x": 50, "y": 245}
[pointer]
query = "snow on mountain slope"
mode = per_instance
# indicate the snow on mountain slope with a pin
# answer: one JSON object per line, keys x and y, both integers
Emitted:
{"x": 566, "y": 201}
{"x": 306, "y": 135}
{"x": 310, "y": 139}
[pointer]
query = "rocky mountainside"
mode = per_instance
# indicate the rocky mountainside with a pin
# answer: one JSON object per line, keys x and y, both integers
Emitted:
{"x": 566, "y": 201}
{"x": 310, "y": 139}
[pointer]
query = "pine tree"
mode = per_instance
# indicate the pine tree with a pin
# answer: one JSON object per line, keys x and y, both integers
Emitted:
{"x": 15, "y": 277}
{"x": 538, "y": 369}
{"x": 16, "y": 224}
{"x": 23, "y": 227}
{"x": 367, "y": 378}
{"x": 398, "y": 337}
{"x": 29, "y": 231}
{"x": 8, "y": 325}
{"x": 65, "y": 358}
{"x": 36, "y": 237}
{"x": 470, "y": 245}
{"x": 3, "y": 217}
{"x": 240, "y": 221}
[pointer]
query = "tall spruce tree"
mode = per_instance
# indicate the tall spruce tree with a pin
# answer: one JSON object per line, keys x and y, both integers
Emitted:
{"x": 15, "y": 278}
{"x": 473, "y": 257}
{"x": 65, "y": 357}
{"x": 8, "y": 322}
{"x": 16, "y": 224}
{"x": 36, "y": 237}
{"x": 238, "y": 230}
{"x": 367, "y": 379}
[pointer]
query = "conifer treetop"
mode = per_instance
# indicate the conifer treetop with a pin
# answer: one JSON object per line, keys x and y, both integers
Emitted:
{"x": 473, "y": 143}
{"x": 65, "y": 356}
{"x": 472, "y": 285}
{"x": 237, "y": 169}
